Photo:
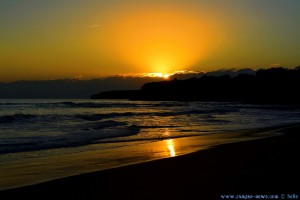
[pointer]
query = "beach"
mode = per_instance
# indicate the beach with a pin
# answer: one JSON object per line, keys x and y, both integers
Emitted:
{"x": 266, "y": 166}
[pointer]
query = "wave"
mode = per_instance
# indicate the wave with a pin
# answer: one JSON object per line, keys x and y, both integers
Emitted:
{"x": 143, "y": 104}
{"x": 84, "y": 134}
{"x": 105, "y": 130}
{"x": 19, "y": 117}
{"x": 36, "y": 118}
{"x": 104, "y": 124}
{"x": 74, "y": 104}
{"x": 96, "y": 117}
{"x": 158, "y": 138}
{"x": 16, "y": 117}
{"x": 128, "y": 104}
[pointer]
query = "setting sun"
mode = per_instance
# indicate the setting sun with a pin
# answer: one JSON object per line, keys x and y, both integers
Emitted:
{"x": 161, "y": 75}
{"x": 166, "y": 76}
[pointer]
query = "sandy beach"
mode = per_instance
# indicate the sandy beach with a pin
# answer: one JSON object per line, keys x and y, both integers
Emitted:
{"x": 266, "y": 166}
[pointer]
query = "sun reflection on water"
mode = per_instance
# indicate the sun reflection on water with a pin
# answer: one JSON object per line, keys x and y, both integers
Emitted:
{"x": 171, "y": 148}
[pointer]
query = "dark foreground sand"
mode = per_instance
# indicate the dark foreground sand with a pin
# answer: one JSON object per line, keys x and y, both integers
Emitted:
{"x": 258, "y": 167}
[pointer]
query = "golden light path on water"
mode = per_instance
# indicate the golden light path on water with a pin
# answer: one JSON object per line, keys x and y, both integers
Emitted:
{"x": 171, "y": 148}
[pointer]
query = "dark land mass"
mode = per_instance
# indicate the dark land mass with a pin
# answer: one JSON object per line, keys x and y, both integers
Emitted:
{"x": 266, "y": 166}
{"x": 275, "y": 85}
{"x": 82, "y": 89}
{"x": 69, "y": 89}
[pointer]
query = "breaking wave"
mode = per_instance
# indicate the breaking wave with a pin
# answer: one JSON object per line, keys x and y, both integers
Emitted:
{"x": 104, "y": 130}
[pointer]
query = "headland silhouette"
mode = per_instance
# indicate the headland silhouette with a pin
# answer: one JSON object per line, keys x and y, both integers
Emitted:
{"x": 274, "y": 85}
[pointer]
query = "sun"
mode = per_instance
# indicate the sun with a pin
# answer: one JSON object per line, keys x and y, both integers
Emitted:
{"x": 166, "y": 76}
{"x": 160, "y": 75}
{"x": 151, "y": 74}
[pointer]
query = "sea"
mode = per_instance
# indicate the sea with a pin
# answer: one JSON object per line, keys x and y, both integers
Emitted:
{"x": 46, "y": 139}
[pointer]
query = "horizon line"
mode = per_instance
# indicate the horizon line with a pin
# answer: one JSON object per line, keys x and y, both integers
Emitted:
{"x": 158, "y": 75}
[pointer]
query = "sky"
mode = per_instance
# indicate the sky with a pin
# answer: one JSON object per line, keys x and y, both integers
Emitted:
{"x": 58, "y": 39}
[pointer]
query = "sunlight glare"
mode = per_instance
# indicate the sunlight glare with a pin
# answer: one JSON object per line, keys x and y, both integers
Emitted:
{"x": 171, "y": 148}
{"x": 166, "y": 76}
{"x": 160, "y": 75}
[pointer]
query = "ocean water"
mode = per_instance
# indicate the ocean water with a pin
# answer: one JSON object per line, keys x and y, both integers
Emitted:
{"x": 57, "y": 134}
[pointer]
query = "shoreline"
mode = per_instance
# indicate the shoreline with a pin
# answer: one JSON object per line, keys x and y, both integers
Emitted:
{"x": 260, "y": 166}
{"x": 33, "y": 171}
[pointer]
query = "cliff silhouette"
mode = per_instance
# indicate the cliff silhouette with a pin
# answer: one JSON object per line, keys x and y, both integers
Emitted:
{"x": 274, "y": 85}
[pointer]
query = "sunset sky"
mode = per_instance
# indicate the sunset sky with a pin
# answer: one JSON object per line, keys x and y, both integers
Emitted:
{"x": 54, "y": 39}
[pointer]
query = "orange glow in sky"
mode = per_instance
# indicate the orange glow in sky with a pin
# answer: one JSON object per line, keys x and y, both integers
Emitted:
{"x": 65, "y": 39}
{"x": 161, "y": 40}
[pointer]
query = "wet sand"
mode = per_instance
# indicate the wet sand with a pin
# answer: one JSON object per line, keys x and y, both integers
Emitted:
{"x": 257, "y": 167}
